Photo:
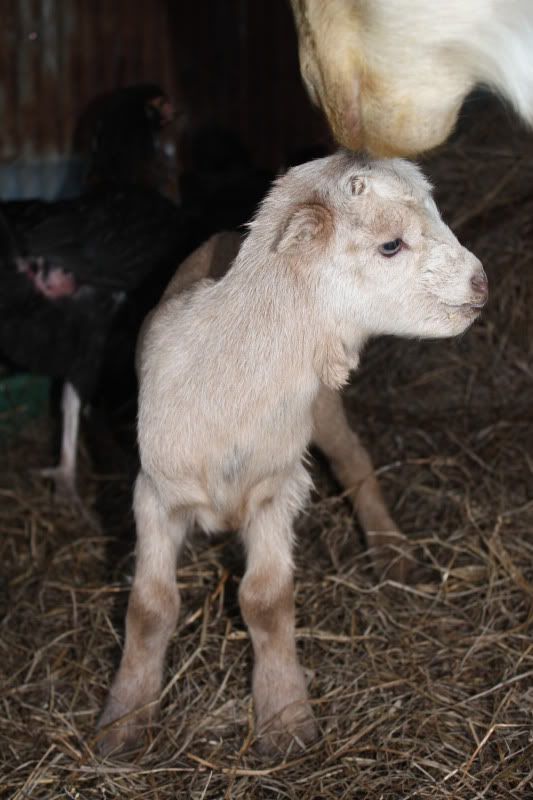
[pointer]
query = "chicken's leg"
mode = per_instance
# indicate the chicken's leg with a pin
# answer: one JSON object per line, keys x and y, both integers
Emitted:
{"x": 64, "y": 475}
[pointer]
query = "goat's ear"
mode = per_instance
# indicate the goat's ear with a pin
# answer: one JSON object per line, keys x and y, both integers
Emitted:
{"x": 307, "y": 224}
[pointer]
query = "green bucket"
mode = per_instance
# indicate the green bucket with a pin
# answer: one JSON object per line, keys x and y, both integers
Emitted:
{"x": 23, "y": 397}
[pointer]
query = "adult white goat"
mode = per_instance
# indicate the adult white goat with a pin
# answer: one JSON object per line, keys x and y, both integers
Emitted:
{"x": 391, "y": 75}
{"x": 231, "y": 373}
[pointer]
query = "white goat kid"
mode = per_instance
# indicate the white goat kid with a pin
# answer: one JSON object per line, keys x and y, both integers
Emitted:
{"x": 341, "y": 250}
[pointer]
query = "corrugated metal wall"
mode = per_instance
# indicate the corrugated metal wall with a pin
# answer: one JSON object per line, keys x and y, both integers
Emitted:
{"x": 236, "y": 62}
{"x": 56, "y": 56}
{"x": 238, "y": 65}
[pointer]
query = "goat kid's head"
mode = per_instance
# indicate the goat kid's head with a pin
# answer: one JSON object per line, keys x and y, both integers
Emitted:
{"x": 367, "y": 240}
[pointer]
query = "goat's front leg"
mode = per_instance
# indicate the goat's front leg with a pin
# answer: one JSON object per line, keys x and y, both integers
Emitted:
{"x": 151, "y": 618}
{"x": 353, "y": 469}
{"x": 266, "y": 596}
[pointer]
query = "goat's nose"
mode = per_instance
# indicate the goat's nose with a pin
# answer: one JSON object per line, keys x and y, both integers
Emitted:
{"x": 480, "y": 285}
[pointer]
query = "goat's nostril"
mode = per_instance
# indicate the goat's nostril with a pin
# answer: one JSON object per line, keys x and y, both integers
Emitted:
{"x": 480, "y": 284}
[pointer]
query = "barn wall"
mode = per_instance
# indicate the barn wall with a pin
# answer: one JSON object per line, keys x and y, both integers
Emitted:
{"x": 236, "y": 62}
{"x": 57, "y": 55}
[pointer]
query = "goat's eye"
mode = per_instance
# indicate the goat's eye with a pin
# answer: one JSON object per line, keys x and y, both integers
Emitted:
{"x": 391, "y": 248}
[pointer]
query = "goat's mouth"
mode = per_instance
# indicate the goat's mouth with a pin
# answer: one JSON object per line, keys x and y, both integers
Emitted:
{"x": 465, "y": 308}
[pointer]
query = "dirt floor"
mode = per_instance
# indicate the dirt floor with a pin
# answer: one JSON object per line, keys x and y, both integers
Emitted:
{"x": 421, "y": 691}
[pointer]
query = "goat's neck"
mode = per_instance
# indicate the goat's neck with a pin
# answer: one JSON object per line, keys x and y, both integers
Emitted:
{"x": 289, "y": 325}
{"x": 272, "y": 315}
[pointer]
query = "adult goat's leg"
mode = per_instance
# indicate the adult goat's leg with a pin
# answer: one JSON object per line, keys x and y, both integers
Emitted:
{"x": 353, "y": 468}
{"x": 266, "y": 597}
{"x": 151, "y": 618}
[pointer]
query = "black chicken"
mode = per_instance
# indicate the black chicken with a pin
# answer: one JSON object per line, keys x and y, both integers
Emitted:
{"x": 122, "y": 131}
{"x": 221, "y": 187}
{"x": 66, "y": 268}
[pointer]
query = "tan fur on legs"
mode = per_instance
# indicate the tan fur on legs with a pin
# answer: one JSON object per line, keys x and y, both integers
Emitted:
{"x": 152, "y": 614}
{"x": 267, "y": 603}
{"x": 353, "y": 469}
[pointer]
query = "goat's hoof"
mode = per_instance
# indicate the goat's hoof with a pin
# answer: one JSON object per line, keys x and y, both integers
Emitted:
{"x": 398, "y": 569}
{"x": 295, "y": 726}
{"x": 390, "y": 555}
{"x": 120, "y": 730}
{"x": 117, "y": 740}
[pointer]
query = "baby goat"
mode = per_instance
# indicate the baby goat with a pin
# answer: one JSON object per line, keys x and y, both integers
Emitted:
{"x": 230, "y": 371}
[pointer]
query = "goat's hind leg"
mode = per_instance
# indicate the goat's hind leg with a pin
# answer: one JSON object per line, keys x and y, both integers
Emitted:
{"x": 352, "y": 466}
{"x": 151, "y": 618}
{"x": 266, "y": 596}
